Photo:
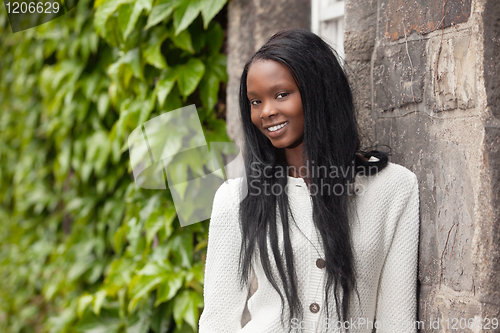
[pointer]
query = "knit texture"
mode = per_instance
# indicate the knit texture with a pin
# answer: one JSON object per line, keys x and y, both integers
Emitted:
{"x": 384, "y": 219}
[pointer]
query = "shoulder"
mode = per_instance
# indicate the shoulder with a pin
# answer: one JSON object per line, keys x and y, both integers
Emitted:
{"x": 227, "y": 197}
{"x": 394, "y": 183}
{"x": 230, "y": 191}
{"x": 400, "y": 175}
{"x": 393, "y": 176}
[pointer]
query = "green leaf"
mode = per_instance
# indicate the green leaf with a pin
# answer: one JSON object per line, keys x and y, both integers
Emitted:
{"x": 181, "y": 249}
{"x": 83, "y": 302}
{"x": 104, "y": 9}
{"x": 190, "y": 75}
{"x": 161, "y": 319}
{"x": 187, "y": 11}
{"x": 152, "y": 204}
{"x": 217, "y": 64}
{"x": 140, "y": 322}
{"x": 78, "y": 268}
{"x": 152, "y": 53}
{"x": 215, "y": 35}
{"x": 63, "y": 159}
{"x": 107, "y": 322}
{"x": 127, "y": 66}
{"x": 89, "y": 85}
{"x": 169, "y": 287}
{"x": 209, "y": 90}
{"x": 173, "y": 101}
{"x": 119, "y": 275}
{"x": 165, "y": 85}
{"x": 119, "y": 238}
{"x": 210, "y": 9}
{"x": 186, "y": 308}
{"x": 162, "y": 10}
{"x": 157, "y": 268}
{"x": 99, "y": 298}
{"x": 103, "y": 105}
{"x": 139, "y": 6}
{"x": 209, "y": 85}
{"x": 152, "y": 226}
{"x": 183, "y": 41}
{"x": 123, "y": 17}
{"x": 134, "y": 233}
{"x": 142, "y": 288}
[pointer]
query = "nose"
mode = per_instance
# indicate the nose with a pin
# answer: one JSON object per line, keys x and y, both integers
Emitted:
{"x": 268, "y": 110}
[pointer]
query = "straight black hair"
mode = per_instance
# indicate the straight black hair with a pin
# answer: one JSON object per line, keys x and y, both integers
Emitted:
{"x": 331, "y": 139}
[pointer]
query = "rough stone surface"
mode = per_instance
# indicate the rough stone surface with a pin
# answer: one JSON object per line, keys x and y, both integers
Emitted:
{"x": 403, "y": 17}
{"x": 490, "y": 293}
{"x": 453, "y": 72}
{"x": 398, "y": 75}
{"x": 359, "y": 39}
{"x": 491, "y": 18}
{"x": 415, "y": 66}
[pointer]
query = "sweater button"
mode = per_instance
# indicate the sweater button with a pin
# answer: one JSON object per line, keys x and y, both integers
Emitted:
{"x": 320, "y": 263}
{"x": 314, "y": 307}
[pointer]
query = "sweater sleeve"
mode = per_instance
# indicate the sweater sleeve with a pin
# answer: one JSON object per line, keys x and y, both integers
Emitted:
{"x": 224, "y": 300}
{"x": 397, "y": 299}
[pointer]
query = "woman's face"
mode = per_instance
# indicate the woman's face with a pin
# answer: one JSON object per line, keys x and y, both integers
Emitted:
{"x": 275, "y": 103}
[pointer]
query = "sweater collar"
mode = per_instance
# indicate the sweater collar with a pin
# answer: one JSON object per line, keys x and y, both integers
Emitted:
{"x": 298, "y": 185}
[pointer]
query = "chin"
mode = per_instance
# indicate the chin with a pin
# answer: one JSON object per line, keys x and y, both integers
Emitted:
{"x": 280, "y": 143}
{"x": 279, "y": 146}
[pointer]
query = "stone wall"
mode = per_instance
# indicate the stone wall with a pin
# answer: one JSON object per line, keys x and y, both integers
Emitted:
{"x": 426, "y": 78}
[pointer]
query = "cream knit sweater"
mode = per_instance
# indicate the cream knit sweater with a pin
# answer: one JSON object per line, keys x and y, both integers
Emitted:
{"x": 384, "y": 218}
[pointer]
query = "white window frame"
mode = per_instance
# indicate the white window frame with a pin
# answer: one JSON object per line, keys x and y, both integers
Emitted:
{"x": 327, "y": 12}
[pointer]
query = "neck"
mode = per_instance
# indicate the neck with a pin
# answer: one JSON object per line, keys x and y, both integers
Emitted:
{"x": 295, "y": 161}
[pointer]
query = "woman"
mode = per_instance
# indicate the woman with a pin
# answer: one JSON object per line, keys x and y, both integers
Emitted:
{"x": 301, "y": 230}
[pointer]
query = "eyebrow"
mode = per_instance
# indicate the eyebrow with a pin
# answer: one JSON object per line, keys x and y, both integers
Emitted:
{"x": 276, "y": 86}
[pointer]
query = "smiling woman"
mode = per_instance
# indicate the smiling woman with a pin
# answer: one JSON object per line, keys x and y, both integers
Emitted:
{"x": 321, "y": 258}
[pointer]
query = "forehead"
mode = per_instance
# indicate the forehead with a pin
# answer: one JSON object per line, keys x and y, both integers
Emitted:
{"x": 264, "y": 74}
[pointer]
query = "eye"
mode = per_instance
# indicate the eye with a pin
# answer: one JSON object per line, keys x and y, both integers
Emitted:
{"x": 286, "y": 94}
{"x": 251, "y": 102}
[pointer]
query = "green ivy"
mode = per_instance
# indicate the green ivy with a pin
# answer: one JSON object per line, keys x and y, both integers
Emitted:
{"x": 82, "y": 247}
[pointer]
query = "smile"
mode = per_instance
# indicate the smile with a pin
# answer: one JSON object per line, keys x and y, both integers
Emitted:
{"x": 277, "y": 127}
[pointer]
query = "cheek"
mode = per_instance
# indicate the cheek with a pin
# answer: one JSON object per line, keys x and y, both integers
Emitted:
{"x": 298, "y": 116}
{"x": 299, "y": 121}
{"x": 255, "y": 119}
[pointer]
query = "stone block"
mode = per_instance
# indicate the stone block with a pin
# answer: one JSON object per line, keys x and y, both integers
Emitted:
{"x": 446, "y": 310}
{"x": 359, "y": 37}
{"x": 491, "y": 58}
{"x": 452, "y": 74}
{"x": 398, "y": 75}
{"x": 447, "y": 222}
{"x": 401, "y": 18}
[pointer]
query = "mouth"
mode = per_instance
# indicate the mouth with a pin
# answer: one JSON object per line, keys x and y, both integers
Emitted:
{"x": 277, "y": 127}
{"x": 277, "y": 130}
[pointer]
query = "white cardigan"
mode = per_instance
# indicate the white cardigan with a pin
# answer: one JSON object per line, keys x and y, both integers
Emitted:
{"x": 385, "y": 235}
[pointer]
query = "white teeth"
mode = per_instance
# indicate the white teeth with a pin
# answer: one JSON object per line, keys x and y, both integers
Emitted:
{"x": 277, "y": 127}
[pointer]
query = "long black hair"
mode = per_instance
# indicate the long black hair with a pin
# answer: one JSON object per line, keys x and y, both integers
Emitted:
{"x": 331, "y": 139}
